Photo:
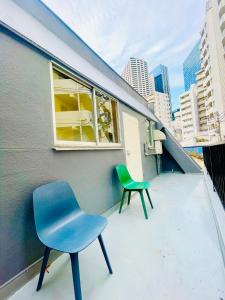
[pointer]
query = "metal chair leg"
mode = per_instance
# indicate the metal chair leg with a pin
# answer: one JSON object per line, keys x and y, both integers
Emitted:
{"x": 43, "y": 267}
{"x": 149, "y": 198}
{"x": 129, "y": 195}
{"x": 76, "y": 275}
{"x": 143, "y": 204}
{"x": 122, "y": 200}
{"x": 105, "y": 253}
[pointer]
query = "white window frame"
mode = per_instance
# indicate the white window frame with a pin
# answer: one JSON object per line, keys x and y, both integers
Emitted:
{"x": 76, "y": 145}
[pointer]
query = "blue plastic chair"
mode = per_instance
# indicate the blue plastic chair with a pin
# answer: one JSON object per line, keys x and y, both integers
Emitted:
{"x": 63, "y": 226}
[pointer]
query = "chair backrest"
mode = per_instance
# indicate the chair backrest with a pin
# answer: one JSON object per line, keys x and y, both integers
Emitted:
{"x": 53, "y": 203}
{"x": 123, "y": 174}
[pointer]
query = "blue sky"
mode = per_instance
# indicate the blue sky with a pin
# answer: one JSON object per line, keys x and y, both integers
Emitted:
{"x": 159, "y": 31}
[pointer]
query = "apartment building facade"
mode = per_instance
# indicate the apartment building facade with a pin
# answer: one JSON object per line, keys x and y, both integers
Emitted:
{"x": 221, "y": 4}
{"x": 136, "y": 74}
{"x": 203, "y": 135}
{"x": 213, "y": 63}
{"x": 160, "y": 103}
{"x": 189, "y": 116}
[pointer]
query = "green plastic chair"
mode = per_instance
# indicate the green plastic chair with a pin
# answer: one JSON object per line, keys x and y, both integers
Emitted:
{"x": 129, "y": 185}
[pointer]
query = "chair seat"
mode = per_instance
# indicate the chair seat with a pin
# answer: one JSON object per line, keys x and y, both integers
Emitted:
{"x": 74, "y": 233}
{"x": 134, "y": 185}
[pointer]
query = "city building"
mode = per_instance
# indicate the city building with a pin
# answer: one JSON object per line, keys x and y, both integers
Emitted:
{"x": 191, "y": 66}
{"x": 222, "y": 20}
{"x": 161, "y": 78}
{"x": 213, "y": 63}
{"x": 176, "y": 125}
{"x": 160, "y": 104}
{"x": 189, "y": 116}
{"x": 193, "y": 113}
{"x": 65, "y": 115}
{"x": 136, "y": 74}
{"x": 151, "y": 84}
{"x": 203, "y": 135}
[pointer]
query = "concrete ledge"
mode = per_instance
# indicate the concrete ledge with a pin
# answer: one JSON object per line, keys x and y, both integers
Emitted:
{"x": 217, "y": 211}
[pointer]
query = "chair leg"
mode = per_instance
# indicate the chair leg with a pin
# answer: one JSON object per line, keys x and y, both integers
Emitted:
{"x": 143, "y": 204}
{"x": 122, "y": 200}
{"x": 43, "y": 267}
{"x": 105, "y": 253}
{"x": 76, "y": 275}
{"x": 149, "y": 198}
{"x": 129, "y": 195}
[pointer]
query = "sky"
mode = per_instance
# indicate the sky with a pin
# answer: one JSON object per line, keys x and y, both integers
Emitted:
{"x": 158, "y": 31}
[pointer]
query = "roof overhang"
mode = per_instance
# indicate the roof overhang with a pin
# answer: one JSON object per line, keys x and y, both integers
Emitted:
{"x": 38, "y": 25}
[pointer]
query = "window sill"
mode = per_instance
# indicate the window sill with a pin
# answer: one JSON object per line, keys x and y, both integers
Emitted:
{"x": 57, "y": 148}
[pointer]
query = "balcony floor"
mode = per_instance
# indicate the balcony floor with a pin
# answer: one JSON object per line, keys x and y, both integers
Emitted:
{"x": 174, "y": 255}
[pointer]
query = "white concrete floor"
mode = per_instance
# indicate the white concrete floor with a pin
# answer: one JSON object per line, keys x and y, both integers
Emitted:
{"x": 174, "y": 255}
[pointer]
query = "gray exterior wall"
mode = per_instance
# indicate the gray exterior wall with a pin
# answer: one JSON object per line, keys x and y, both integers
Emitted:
{"x": 27, "y": 159}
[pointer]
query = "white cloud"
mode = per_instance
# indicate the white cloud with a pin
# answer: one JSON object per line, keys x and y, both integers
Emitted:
{"x": 157, "y": 31}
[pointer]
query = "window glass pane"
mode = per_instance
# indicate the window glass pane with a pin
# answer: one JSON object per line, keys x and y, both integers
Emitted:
{"x": 73, "y": 109}
{"x": 107, "y": 119}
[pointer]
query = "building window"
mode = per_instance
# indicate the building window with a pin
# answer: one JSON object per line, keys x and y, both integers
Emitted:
{"x": 149, "y": 133}
{"x": 107, "y": 118}
{"x": 83, "y": 116}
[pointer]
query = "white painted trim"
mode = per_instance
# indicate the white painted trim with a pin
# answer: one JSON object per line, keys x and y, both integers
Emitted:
{"x": 71, "y": 145}
{"x": 53, "y": 101}
{"x": 86, "y": 148}
{"x": 95, "y": 117}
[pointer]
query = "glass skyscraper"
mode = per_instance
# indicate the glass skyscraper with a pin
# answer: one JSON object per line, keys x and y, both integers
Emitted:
{"x": 191, "y": 66}
{"x": 161, "y": 78}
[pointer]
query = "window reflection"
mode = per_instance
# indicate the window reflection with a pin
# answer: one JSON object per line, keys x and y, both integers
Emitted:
{"x": 107, "y": 118}
{"x": 73, "y": 109}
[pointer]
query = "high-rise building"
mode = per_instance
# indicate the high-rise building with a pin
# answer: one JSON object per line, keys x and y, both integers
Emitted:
{"x": 151, "y": 84}
{"x": 189, "y": 116}
{"x": 201, "y": 103}
{"x": 191, "y": 66}
{"x": 161, "y": 78}
{"x": 213, "y": 63}
{"x": 160, "y": 104}
{"x": 136, "y": 74}
{"x": 221, "y": 4}
{"x": 194, "y": 114}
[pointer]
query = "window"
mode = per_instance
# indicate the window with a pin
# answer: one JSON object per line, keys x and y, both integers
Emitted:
{"x": 149, "y": 133}
{"x": 106, "y": 118}
{"x": 81, "y": 118}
